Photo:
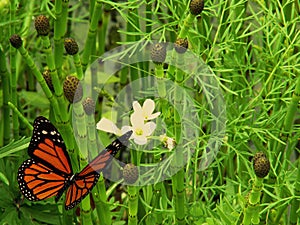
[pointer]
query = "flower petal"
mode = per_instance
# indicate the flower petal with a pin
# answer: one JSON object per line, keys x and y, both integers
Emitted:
{"x": 149, "y": 128}
{"x": 148, "y": 107}
{"x": 108, "y": 126}
{"x": 125, "y": 129}
{"x": 140, "y": 140}
{"x": 153, "y": 116}
{"x": 136, "y": 106}
{"x": 137, "y": 120}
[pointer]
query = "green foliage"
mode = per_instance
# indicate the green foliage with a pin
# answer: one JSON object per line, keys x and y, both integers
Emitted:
{"x": 252, "y": 48}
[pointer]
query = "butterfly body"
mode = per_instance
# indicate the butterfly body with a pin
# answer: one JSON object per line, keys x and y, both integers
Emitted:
{"x": 49, "y": 171}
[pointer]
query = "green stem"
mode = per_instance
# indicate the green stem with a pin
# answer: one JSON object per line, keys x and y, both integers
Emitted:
{"x": 295, "y": 205}
{"x": 58, "y": 90}
{"x": 60, "y": 24}
{"x": 251, "y": 212}
{"x": 77, "y": 63}
{"x": 102, "y": 205}
{"x": 91, "y": 35}
{"x": 40, "y": 79}
{"x": 132, "y": 205}
{"x": 20, "y": 115}
{"x": 100, "y": 198}
{"x": 13, "y": 71}
{"x": 187, "y": 24}
{"x": 6, "y": 97}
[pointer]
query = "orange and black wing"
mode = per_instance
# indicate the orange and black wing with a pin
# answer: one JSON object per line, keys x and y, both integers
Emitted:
{"x": 104, "y": 158}
{"x": 47, "y": 147}
{"x": 81, "y": 186}
{"x": 38, "y": 181}
{"x": 84, "y": 182}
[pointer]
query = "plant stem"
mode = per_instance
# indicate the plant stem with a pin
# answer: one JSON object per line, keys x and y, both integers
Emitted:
{"x": 41, "y": 80}
{"x": 77, "y": 63}
{"x": 295, "y": 205}
{"x": 58, "y": 90}
{"x": 20, "y": 115}
{"x": 6, "y": 97}
{"x": 91, "y": 35}
{"x": 13, "y": 71}
{"x": 60, "y": 23}
{"x": 100, "y": 197}
{"x": 102, "y": 206}
{"x": 251, "y": 212}
{"x": 132, "y": 205}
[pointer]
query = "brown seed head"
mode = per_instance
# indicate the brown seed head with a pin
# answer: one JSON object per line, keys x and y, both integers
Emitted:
{"x": 71, "y": 46}
{"x": 72, "y": 89}
{"x": 16, "y": 41}
{"x": 48, "y": 79}
{"x": 158, "y": 53}
{"x": 261, "y": 165}
{"x": 130, "y": 173}
{"x": 42, "y": 25}
{"x": 88, "y": 106}
{"x": 196, "y": 7}
{"x": 181, "y": 45}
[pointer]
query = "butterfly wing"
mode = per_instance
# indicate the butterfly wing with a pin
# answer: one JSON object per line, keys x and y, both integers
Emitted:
{"x": 49, "y": 171}
{"x": 88, "y": 177}
{"x": 80, "y": 188}
{"x": 38, "y": 181}
{"x": 47, "y": 147}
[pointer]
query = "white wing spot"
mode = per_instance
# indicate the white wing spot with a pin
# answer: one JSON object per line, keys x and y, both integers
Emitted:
{"x": 44, "y": 132}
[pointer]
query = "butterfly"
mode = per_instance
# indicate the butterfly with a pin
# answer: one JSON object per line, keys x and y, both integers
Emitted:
{"x": 49, "y": 171}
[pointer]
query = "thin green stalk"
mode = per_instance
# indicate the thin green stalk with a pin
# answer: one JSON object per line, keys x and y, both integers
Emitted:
{"x": 13, "y": 71}
{"x": 251, "y": 212}
{"x": 187, "y": 24}
{"x": 41, "y": 80}
{"x": 132, "y": 25}
{"x": 179, "y": 193}
{"x": 91, "y": 35}
{"x": 77, "y": 63}
{"x": 58, "y": 90}
{"x": 80, "y": 124}
{"x": 6, "y": 98}
{"x": 20, "y": 115}
{"x": 100, "y": 197}
{"x": 60, "y": 24}
{"x": 102, "y": 205}
{"x": 295, "y": 205}
{"x": 132, "y": 204}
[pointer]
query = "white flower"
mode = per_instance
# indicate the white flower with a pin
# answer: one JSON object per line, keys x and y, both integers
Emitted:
{"x": 146, "y": 110}
{"x": 167, "y": 141}
{"x": 108, "y": 126}
{"x": 141, "y": 130}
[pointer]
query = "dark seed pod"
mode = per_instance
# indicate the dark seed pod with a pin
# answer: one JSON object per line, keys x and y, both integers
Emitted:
{"x": 48, "y": 79}
{"x": 88, "y": 106}
{"x": 72, "y": 89}
{"x": 71, "y": 46}
{"x": 158, "y": 53}
{"x": 181, "y": 45}
{"x": 196, "y": 7}
{"x": 42, "y": 25}
{"x": 130, "y": 173}
{"x": 16, "y": 41}
{"x": 261, "y": 165}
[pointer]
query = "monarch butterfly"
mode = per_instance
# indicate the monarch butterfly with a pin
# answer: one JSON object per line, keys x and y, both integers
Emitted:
{"x": 49, "y": 171}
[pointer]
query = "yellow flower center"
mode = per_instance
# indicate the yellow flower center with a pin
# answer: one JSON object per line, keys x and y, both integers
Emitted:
{"x": 139, "y": 131}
